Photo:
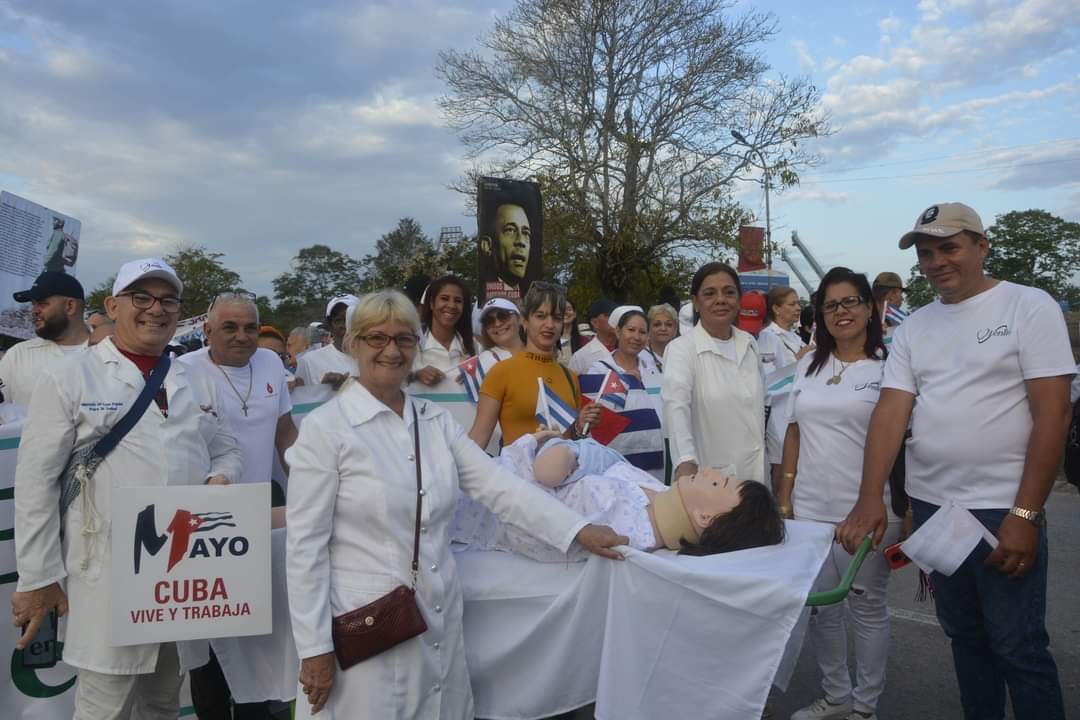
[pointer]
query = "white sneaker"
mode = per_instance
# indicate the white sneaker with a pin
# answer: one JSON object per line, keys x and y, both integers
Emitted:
{"x": 856, "y": 715}
{"x": 822, "y": 709}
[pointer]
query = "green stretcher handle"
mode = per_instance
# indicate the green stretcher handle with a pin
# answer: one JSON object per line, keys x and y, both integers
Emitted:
{"x": 838, "y": 593}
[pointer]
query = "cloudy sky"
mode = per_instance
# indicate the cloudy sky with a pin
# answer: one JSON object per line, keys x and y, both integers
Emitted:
{"x": 258, "y": 128}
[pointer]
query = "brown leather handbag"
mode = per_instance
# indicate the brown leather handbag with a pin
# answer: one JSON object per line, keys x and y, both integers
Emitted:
{"x": 393, "y": 618}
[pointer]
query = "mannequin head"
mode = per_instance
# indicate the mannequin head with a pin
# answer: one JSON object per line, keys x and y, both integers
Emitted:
{"x": 753, "y": 522}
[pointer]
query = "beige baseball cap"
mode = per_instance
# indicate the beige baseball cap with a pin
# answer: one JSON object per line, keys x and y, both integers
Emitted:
{"x": 942, "y": 221}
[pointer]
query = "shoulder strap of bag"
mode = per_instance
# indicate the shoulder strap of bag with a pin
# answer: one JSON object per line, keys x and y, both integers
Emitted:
{"x": 570, "y": 380}
{"x": 419, "y": 497}
{"x": 153, "y": 383}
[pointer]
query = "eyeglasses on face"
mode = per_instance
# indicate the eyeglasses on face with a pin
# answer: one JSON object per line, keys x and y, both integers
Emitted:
{"x": 496, "y": 316}
{"x": 145, "y": 301}
{"x": 380, "y": 340}
{"x": 849, "y": 302}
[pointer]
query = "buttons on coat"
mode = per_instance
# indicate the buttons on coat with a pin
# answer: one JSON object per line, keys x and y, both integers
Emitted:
{"x": 434, "y": 567}
{"x": 423, "y": 529}
{"x": 438, "y": 608}
{"x": 434, "y": 646}
{"x": 411, "y": 457}
{"x": 422, "y": 492}
{"x": 436, "y": 687}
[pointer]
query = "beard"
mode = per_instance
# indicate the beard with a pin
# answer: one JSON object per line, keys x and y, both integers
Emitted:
{"x": 52, "y": 328}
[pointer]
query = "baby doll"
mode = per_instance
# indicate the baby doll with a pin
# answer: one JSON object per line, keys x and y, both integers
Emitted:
{"x": 701, "y": 514}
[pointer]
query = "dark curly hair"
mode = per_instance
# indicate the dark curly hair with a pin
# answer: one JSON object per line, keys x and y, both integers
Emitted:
{"x": 754, "y": 522}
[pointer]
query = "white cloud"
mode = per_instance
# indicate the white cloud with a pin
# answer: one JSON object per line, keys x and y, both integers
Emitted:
{"x": 826, "y": 197}
{"x": 806, "y": 60}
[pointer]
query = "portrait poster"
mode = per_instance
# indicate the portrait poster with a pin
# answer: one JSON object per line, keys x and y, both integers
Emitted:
{"x": 33, "y": 239}
{"x": 190, "y": 562}
{"x": 510, "y": 227}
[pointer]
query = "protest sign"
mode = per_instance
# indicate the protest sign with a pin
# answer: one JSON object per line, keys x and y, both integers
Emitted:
{"x": 205, "y": 575}
{"x": 510, "y": 225}
{"x": 33, "y": 239}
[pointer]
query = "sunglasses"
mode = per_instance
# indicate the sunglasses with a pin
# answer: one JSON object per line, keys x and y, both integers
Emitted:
{"x": 496, "y": 316}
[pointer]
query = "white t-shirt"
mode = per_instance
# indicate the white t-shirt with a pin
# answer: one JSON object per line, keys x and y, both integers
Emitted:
{"x": 24, "y": 363}
{"x": 268, "y": 401}
{"x": 966, "y": 363}
{"x": 1074, "y": 394}
{"x": 591, "y": 352}
{"x": 833, "y": 420}
{"x": 311, "y": 366}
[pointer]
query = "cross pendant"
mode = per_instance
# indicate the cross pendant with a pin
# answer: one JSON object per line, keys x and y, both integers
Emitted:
{"x": 243, "y": 407}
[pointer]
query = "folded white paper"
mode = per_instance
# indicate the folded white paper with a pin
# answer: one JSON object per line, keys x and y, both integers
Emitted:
{"x": 946, "y": 539}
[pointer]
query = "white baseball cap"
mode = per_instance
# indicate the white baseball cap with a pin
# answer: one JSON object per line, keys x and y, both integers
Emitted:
{"x": 349, "y": 300}
{"x": 131, "y": 272}
{"x": 498, "y": 303}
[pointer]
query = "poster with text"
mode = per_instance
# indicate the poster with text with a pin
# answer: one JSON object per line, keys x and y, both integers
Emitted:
{"x": 33, "y": 239}
{"x": 510, "y": 226}
{"x": 190, "y": 562}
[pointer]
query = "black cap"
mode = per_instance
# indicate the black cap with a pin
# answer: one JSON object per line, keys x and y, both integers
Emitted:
{"x": 603, "y": 306}
{"x": 48, "y": 284}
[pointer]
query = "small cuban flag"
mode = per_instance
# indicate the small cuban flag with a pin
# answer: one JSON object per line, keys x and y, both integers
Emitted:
{"x": 894, "y": 315}
{"x": 613, "y": 391}
{"x": 551, "y": 410}
{"x": 470, "y": 378}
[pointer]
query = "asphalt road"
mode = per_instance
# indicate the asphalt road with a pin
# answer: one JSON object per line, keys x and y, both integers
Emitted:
{"x": 920, "y": 682}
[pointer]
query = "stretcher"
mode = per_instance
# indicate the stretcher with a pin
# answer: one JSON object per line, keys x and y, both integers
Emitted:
{"x": 656, "y": 635}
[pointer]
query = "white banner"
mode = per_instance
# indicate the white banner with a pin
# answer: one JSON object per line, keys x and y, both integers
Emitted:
{"x": 33, "y": 239}
{"x": 200, "y": 566}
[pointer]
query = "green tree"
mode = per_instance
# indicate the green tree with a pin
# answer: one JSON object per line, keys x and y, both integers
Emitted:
{"x": 399, "y": 254}
{"x": 626, "y": 108}
{"x": 1028, "y": 247}
{"x": 318, "y": 273}
{"x": 96, "y": 299}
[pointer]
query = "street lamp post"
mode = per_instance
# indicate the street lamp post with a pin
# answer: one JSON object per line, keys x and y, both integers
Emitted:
{"x": 739, "y": 138}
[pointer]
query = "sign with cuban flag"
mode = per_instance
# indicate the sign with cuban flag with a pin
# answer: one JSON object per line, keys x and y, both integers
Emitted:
{"x": 190, "y": 562}
{"x": 551, "y": 410}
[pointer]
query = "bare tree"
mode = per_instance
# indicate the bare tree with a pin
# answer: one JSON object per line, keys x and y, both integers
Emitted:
{"x": 627, "y": 107}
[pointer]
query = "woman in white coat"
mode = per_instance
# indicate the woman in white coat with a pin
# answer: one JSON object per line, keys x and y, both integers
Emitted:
{"x": 352, "y": 500}
{"x": 714, "y": 389}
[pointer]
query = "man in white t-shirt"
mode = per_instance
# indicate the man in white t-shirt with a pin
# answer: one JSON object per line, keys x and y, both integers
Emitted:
{"x": 990, "y": 365}
{"x": 57, "y": 301}
{"x": 329, "y": 364}
{"x": 600, "y": 347}
{"x": 252, "y": 383}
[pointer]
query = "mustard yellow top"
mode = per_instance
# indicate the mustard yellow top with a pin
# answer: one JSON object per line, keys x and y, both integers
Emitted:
{"x": 513, "y": 384}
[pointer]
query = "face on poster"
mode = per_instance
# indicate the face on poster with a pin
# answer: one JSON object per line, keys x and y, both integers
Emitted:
{"x": 33, "y": 239}
{"x": 190, "y": 562}
{"x": 510, "y": 227}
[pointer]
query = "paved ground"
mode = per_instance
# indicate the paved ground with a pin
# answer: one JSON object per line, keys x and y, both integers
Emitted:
{"x": 920, "y": 682}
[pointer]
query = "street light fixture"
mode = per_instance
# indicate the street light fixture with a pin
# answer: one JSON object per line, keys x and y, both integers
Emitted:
{"x": 741, "y": 139}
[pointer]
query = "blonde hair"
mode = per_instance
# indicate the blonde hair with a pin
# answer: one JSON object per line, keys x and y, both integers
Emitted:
{"x": 663, "y": 308}
{"x": 377, "y": 308}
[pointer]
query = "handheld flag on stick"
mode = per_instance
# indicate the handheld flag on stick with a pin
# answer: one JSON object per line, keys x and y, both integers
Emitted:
{"x": 470, "y": 370}
{"x": 894, "y": 315}
{"x": 551, "y": 410}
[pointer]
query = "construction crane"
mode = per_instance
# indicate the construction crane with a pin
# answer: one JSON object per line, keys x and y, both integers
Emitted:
{"x": 809, "y": 259}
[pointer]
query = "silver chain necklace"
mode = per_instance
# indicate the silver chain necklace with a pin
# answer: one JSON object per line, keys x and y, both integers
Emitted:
{"x": 251, "y": 383}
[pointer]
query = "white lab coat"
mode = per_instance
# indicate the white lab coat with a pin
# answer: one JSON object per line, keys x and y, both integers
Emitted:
{"x": 714, "y": 409}
{"x": 21, "y": 366}
{"x": 352, "y": 505}
{"x": 76, "y": 403}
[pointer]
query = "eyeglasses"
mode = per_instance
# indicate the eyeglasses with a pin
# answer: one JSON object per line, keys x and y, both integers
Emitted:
{"x": 404, "y": 341}
{"x": 145, "y": 301}
{"x": 496, "y": 316}
{"x": 849, "y": 302}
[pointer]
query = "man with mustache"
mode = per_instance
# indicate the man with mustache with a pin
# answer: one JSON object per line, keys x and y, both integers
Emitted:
{"x": 57, "y": 302}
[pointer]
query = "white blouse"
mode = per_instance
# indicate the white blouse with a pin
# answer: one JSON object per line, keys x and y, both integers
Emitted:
{"x": 714, "y": 407}
{"x": 352, "y": 504}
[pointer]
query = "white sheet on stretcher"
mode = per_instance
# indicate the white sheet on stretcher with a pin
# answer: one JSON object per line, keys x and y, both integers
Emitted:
{"x": 659, "y": 635}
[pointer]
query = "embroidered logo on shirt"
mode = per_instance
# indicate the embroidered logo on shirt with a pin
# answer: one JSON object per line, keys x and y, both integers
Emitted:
{"x": 269, "y": 389}
{"x": 209, "y": 409}
{"x": 986, "y": 333}
{"x": 101, "y": 406}
{"x": 876, "y": 386}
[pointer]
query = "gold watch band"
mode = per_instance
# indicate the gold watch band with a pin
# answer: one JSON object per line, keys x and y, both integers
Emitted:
{"x": 1033, "y": 516}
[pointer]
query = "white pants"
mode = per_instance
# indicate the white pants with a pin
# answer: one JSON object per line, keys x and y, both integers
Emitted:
{"x": 867, "y": 607}
{"x": 153, "y": 696}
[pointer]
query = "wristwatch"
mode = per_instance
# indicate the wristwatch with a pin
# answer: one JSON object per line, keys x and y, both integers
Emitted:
{"x": 1038, "y": 517}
